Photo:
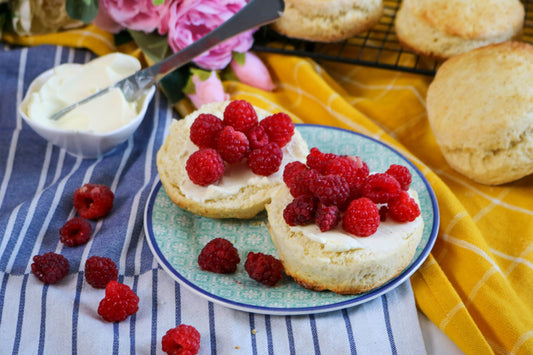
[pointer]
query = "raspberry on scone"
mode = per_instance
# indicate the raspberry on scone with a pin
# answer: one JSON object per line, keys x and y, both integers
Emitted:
{"x": 205, "y": 166}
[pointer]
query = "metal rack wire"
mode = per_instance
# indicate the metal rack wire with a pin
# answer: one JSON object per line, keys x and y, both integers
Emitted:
{"x": 377, "y": 48}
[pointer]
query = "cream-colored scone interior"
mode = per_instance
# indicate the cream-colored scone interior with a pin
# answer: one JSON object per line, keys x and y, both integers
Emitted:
{"x": 443, "y": 28}
{"x": 328, "y": 20}
{"x": 344, "y": 267}
{"x": 480, "y": 108}
{"x": 239, "y": 194}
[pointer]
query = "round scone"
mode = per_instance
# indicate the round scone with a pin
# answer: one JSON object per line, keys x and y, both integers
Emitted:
{"x": 338, "y": 261}
{"x": 239, "y": 193}
{"x": 440, "y": 29}
{"x": 480, "y": 109}
{"x": 328, "y": 20}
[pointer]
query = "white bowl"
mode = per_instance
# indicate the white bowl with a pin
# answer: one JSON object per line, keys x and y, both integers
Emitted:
{"x": 83, "y": 143}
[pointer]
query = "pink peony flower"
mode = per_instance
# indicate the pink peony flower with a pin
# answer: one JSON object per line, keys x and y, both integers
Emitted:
{"x": 253, "y": 72}
{"x": 105, "y": 22}
{"x": 206, "y": 91}
{"x": 138, "y": 15}
{"x": 190, "y": 20}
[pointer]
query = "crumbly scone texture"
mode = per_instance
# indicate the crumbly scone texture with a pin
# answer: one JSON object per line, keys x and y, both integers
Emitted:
{"x": 480, "y": 109}
{"x": 347, "y": 272}
{"x": 440, "y": 29}
{"x": 328, "y": 20}
{"x": 172, "y": 158}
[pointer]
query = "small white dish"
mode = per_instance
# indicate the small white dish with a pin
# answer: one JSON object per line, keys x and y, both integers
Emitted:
{"x": 83, "y": 143}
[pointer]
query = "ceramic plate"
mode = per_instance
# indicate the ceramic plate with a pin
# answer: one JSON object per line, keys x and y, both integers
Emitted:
{"x": 176, "y": 237}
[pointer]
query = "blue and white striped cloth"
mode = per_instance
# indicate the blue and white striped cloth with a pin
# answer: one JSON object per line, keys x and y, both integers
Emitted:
{"x": 37, "y": 181}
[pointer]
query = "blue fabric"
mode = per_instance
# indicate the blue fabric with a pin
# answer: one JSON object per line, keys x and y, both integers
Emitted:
{"x": 37, "y": 182}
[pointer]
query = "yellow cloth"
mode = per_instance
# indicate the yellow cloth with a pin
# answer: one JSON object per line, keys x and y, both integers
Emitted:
{"x": 477, "y": 284}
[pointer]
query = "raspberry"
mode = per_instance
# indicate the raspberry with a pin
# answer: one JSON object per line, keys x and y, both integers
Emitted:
{"x": 402, "y": 174}
{"x": 300, "y": 211}
{"x": 265, "y": 161}
{"x": 327, "y": 217}
{"x": 205, "y": 167}
{"x": 381, "y": 187}
{"x": 232, "y": 145}
{"x": 361, "y": 218}
{"x": 318, "y": 160}
{"x": 93, "y": 201}
{"x": 50, "y": 267}
{"x": 241, "y": 115}
{"x": 353, "y": 169}
{"x": 403, "y": 208}
{"x": 279, "y": 128}
{"x": 331, "y": 190}
{"x": 291, "y": 170}
{"x": 119, "y": 302}
{"x": 205, "y": 130}
{"x": 220, "y": 256}
{"x": 257, "y": 137}
{"x": 299, "y": 185}
{"x": 182, "y": 340}
{"x": 263, "y": 268}
{"x": 99, "y": 271}
{"x": 75, "y": 231}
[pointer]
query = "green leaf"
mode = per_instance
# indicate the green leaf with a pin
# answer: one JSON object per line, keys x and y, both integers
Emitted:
{"x": 203, "y": 75}
{"x": 173, "y": 84}
{"x": 84, "y": 10}
{"x": 158, "y": 2}
{"x": 152, "y": 44}
{"x": 239, "y": 57}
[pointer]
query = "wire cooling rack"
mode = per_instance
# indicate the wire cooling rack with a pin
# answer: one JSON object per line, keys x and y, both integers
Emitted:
{"x": 377, "y": 48}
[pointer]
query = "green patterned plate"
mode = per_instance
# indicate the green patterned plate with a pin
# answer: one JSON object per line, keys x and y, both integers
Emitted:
{"x": 176, "y": 237}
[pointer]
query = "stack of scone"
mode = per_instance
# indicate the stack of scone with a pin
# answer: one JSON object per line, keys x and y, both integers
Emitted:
{"x": 328, "y": 20}
{"x": 480, "y": 108}
{"x": 440, "y": 29}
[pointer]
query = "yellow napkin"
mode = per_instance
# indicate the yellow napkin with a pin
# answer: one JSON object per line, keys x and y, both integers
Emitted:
{"x": 477, "y": 284}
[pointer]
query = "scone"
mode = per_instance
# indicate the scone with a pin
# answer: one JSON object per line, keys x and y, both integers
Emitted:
{"x": 440, "y": 29}
{"x": 480, "y": 108}
{"x": 328, "y": 20}
{"x": 337, "y": 261}
{"x": 239, "y": 193}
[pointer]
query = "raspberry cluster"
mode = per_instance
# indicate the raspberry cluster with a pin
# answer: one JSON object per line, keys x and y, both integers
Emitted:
{"x": 331, "y": 189}
{"x": 237, "y": 137}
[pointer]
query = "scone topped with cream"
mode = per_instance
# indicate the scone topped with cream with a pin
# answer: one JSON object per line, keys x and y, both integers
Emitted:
{"x": 338, "y": 227}
{"x": 225, "y": 159}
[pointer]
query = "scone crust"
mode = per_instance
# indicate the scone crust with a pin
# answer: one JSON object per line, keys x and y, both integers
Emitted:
{"x": 347, "y": 272}
{"x": 171, "y": 160}
{"x": 440, "y": 29}
{"x": 328, "y": 20}
{"x": 480, "y": 108}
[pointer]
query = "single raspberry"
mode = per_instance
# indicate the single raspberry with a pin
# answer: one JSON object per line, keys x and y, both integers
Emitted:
{"x": 220, "y": 256}
{"x": 331, "y": 190}
{"x": 403, "y": 208}
{"x": 353, "y": 169}
{"x": 327, "y": 217}
{"x": 50, "y": 267}
{"x": 205, "y": 130}
{"x": 291, "y": 169}
{"x": 241, "y": 115}
{"x": 93, "y": 201}
{"x": 300, "y": 211}
{"x": 301, "y": 182}
{"x": 99, "y": 271}
{"x": 205, "y": 166}
{"x": 182, "y": 340}
{"x": 119, "y": 302}
{"x": 265, "y": 161}
{"x": 263, "y": 268}
{"x": 402, "y": 174}
{"x": 257, "y": 137}
{"x": 75, "y": 231}
{"x": 361, "y": 217}
{"x": 381, "y": 187}
{"x": 232, "y": 145}
{"x": 318, "y": 160}
{"x": 279, "y": 128}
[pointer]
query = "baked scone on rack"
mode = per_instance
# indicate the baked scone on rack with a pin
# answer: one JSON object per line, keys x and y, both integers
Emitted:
{"x": 215, "y": 163}
{"x": 327, "y": 20}
{"x": 440, "y": 29}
